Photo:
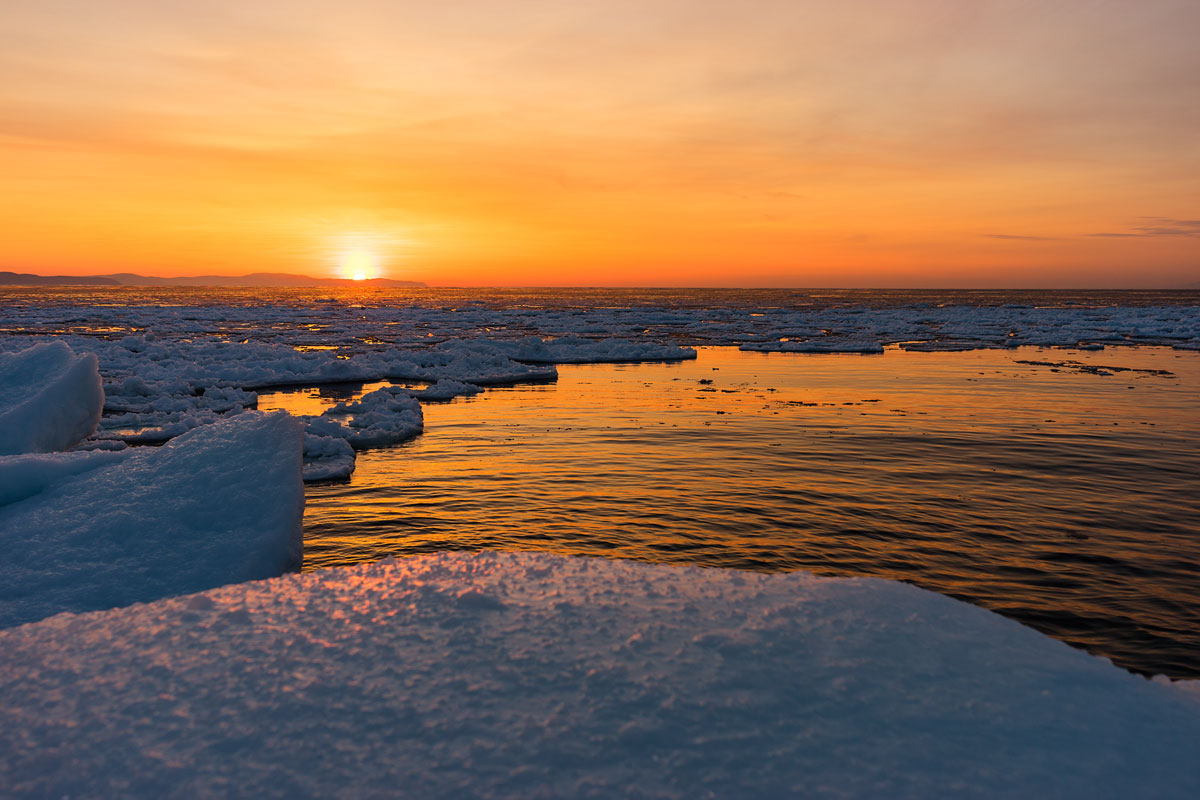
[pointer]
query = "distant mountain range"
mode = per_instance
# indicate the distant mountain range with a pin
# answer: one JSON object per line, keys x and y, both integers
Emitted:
{"x": 254, "y": 279}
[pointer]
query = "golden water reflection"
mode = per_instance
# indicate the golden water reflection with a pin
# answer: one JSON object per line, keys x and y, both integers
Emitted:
{"x": 1058, "y": 496}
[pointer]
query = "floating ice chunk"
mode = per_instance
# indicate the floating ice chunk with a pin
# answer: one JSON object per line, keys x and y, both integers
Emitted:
{"x": 532, "y": 675}
{"x": 478, "y": 361}
{"x": 217, "y": 505}
{"x": 446, "y": 390}
{"x": 385, "y": 416}
{"x": 327, "y": 458}
{"x": 50, "y": 398}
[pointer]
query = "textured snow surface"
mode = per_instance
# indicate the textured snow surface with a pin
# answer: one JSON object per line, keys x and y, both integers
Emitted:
{"x": 50, "y": 398}
{"x": 94, "y": 530}
{"x": 532, "y": 675}
{"x": 26, "y": 475}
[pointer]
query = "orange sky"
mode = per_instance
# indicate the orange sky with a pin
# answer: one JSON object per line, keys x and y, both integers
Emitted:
{"x": 852, "y": 143}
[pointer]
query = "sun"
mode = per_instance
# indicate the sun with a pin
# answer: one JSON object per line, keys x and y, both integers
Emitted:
{"x": 358, "y": 264}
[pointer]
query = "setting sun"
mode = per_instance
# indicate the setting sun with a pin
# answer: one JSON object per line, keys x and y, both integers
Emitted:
{"x": 358, "y": 264}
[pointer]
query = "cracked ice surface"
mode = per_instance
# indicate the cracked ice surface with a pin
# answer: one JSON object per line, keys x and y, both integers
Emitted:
{"x": 532, "y": 675}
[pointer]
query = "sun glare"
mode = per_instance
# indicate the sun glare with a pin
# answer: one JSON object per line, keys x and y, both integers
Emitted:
{"x": 358, "y": 264}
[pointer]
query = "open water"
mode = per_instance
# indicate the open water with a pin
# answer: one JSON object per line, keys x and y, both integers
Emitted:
{"x": 1060, "y": 488}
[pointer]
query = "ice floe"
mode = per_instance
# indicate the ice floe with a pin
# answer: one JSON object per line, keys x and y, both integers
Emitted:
{"x": 50, "y": 398}
{"x": 364, "y": 327}
{"x": 81, "y": 531}
{"x": 383, "y": 417}
{"x": 158, "y": 387}
{"x": 527, "y": 675}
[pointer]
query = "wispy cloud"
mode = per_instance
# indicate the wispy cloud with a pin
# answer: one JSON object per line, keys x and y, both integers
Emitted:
{"x": 1021, "y": 237}
{"x": 1157, "y": 226}
{"x": 1165, "y": 226}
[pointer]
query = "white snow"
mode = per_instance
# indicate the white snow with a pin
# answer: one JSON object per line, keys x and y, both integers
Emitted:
{"x": 50, "y": 398}
{"x": 218, "y": 505}
{"x": 526, "y": 675}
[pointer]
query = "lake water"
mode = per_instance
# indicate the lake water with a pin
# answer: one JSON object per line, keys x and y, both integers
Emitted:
{"x": 1064, "y": 494}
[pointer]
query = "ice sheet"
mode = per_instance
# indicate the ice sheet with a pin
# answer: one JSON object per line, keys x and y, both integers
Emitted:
{"x": 50, "y": 398}
{"x": 523, "y": 675}
{"x": 218, "y": 505}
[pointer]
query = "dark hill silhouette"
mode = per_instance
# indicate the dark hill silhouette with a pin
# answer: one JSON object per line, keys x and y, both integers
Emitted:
{"x": 255, "y": 279}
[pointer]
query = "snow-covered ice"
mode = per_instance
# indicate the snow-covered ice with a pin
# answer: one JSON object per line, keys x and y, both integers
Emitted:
{"x": 533, "y": 675}
{"x": 93, "y": 530}
{"x": 383, "y": 417}
{"x": 25, "y": 475}
{"x": 50, "y": 398}
{"x": 362, "y": 328}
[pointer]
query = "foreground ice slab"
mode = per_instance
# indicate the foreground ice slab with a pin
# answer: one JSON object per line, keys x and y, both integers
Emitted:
{"x": 523, "y": 675}
{"x": 86, "y": 531}
{"x": 50, "y": 398}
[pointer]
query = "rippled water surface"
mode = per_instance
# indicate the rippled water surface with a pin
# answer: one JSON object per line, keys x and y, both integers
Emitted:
{"x": 1060, "y": 494}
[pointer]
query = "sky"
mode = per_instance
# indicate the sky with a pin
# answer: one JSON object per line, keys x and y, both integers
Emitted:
{"x": 901, "y": 143}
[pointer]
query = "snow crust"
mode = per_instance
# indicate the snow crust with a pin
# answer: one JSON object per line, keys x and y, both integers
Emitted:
{"x": 94, "y": 530}
{"x": 532, "y": 675}
{"x": 50, "y": 398}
